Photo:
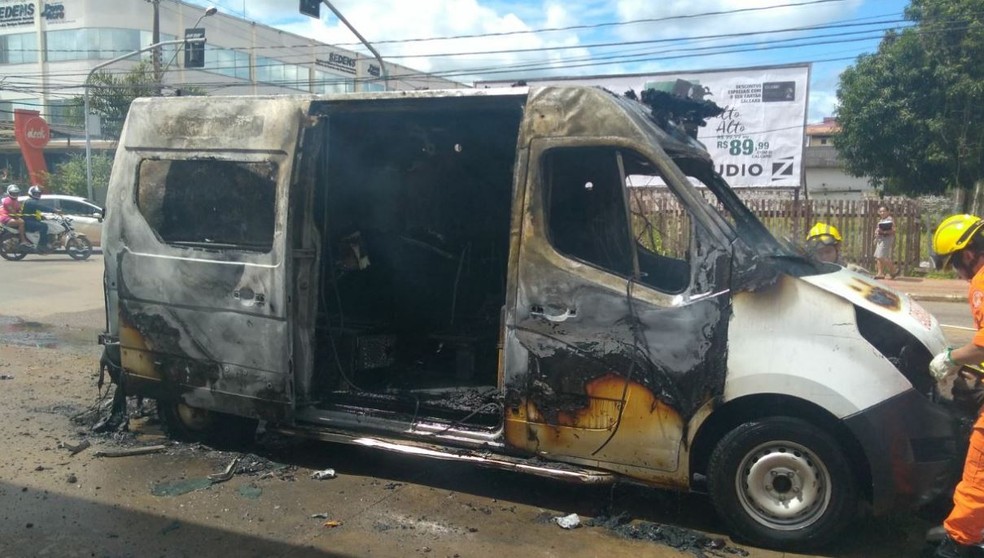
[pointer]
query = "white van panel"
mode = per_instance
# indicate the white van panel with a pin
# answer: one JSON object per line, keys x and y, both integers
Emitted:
{"x": 796, "y": 339}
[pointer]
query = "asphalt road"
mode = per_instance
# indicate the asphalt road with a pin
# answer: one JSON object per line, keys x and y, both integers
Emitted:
{"x": 954, "y": 317}
{"x": 53, "y": 503}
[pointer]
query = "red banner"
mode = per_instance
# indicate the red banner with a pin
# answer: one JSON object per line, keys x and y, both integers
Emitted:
{"x": 32, "y": 133}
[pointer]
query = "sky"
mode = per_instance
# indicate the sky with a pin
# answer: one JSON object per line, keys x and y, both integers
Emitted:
{"x": 516, "y": 39}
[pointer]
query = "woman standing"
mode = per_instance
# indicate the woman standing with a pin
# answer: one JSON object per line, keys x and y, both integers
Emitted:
{"x": 884, "y": 243}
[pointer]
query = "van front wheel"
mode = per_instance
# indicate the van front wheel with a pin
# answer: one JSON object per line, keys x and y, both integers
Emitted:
{"x": 782, "y": 483}
{"x": 191, "y": 424}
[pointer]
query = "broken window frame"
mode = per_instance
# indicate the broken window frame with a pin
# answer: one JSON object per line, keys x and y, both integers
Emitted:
{"x": 684, "y": 265}
{"x": 168, "y": 233}
{"x": 548, "y": 178}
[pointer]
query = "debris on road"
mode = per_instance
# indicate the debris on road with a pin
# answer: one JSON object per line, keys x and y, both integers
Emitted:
{"x": 72, "y": 479}
{"x": 322, "y": 475}
{"x": 74, "y": 449}
{"x": 180, "y": 487}
{"x": 679, "y": 538}
{"x": 6, "y": 377}
{"x": 130, "y": 452}
{"x": 332, "y": 523}
{"x": 228, "y": 473}
{"x": 323, "y": 515}
{"x": 571, "y": 521}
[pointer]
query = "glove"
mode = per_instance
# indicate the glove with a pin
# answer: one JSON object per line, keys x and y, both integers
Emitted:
{"x": 942, "y": 365}
{"x": 944, "y": 371}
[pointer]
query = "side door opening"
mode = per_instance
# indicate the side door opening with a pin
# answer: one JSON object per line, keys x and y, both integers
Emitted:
{"x": 413, "y": 210}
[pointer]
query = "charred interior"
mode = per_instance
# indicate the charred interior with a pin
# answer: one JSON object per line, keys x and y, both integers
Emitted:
{"x": 413, "y": 208}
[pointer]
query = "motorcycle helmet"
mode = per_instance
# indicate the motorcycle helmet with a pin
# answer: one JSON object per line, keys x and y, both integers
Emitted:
{"x": 13, "y": 190}
{"x": 954, "y": 234}
{"x": 34, "y": 192}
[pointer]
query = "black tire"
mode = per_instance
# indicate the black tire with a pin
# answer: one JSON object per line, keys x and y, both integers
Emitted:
{"x": 805, "y": 493}
{"x": 78, "y": 248}
{"x": 10, "y": 248}
{"x": 190, "y": 424}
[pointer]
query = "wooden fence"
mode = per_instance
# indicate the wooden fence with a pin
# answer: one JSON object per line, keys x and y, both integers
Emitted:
{"x": 792, "y": 219}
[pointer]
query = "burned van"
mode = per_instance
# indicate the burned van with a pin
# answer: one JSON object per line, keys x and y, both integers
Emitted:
{"x": 461, "y": 275}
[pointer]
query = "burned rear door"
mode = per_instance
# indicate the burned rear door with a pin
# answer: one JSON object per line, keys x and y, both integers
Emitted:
{"x": 202, "y": 263}
{"x": 619, "y": 329}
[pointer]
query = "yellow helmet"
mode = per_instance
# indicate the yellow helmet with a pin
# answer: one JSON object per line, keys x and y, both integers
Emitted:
{"x": 824, "y": 234}
{"x": 954, "y": 234}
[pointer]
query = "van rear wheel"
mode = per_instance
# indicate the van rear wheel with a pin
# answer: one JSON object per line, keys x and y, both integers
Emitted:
{"x": 782, "y": 483}
{"x": 192, "y": 424}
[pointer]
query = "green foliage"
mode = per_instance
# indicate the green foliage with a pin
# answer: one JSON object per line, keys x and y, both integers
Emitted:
{"x": 912, "y": 114}
{"x": 69, "y": 177}
{"x": 110, "y": 97}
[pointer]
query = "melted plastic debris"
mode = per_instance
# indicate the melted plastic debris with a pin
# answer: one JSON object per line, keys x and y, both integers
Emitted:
{"x": 180, "y": 487}
{"x": 571, "y": 521}
{"x": 322, "y": 475}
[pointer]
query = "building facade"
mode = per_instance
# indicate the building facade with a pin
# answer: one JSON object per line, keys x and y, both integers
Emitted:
{"x": 825, "y": 174}
{"x": 48, "y": 48}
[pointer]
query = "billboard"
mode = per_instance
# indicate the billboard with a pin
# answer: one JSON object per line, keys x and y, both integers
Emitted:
{"x": 757, "y": 140}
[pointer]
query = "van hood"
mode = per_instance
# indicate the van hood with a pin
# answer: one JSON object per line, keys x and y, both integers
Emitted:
{"x": 893, "y": 305}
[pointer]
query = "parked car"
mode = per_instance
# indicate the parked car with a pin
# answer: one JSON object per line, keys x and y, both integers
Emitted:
{"x": 87, "y": 215}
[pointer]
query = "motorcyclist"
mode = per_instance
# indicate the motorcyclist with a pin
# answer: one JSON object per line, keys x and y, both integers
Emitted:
{"x": 33, "y": 208}
{"x": 10, "y": 212}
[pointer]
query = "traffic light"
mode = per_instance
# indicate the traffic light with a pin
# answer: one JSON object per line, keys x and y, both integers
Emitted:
{"x": 194, "y": 52}
{"x": 311, "y": 8}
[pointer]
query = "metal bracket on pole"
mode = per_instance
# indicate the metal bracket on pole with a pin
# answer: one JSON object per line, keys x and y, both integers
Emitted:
{"x": 85, "y": 101}
{"x": 379, "y": 58}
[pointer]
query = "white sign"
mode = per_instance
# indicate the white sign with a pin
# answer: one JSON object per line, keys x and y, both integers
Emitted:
{"x": 758, "y": 140}
{"x": 19, "y": 13}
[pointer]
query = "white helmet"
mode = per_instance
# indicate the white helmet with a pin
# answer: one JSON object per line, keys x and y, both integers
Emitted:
{"x": 34, "y": 192}
{"x": 13, "y": 190}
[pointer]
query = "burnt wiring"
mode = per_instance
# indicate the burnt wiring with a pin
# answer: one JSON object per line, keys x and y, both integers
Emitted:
{"x": 96, "y": 406}
{"x": 497, "y": 405}
{"x": 457, "y": 280}
{"x": 634, "y": 327}
{"x": 338, "y": 299}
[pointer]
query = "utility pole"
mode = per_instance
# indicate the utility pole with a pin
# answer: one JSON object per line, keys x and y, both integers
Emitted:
{"x": 156, "y": 38}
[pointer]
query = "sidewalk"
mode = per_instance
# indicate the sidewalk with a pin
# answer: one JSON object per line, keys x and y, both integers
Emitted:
{"x": 933, "y": 290}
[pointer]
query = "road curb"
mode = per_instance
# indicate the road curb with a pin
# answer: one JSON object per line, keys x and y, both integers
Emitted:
{"x": 937, "y": 297}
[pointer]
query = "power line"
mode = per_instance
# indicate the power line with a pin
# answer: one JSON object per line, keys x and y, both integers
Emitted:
{"x": 606, "y": 24}
{"x": 552, "y": 65}
{"x": 582, "y": 47}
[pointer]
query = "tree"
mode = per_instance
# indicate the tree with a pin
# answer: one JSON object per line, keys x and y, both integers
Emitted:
{"x": 912, "y": 114}
{"x": 110, "y": 96}
{"x": 70, "y": 177}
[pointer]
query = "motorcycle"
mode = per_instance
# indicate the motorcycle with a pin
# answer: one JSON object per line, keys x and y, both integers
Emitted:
{"x": 61, "y": 237}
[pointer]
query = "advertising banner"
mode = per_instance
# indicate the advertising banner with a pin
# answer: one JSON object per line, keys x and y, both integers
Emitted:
{"x": 758, "y": 140}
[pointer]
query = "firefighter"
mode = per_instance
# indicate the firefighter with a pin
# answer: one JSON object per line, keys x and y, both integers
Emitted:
{"x": 959, "y": 243}
{"x": 824, "y": 241}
